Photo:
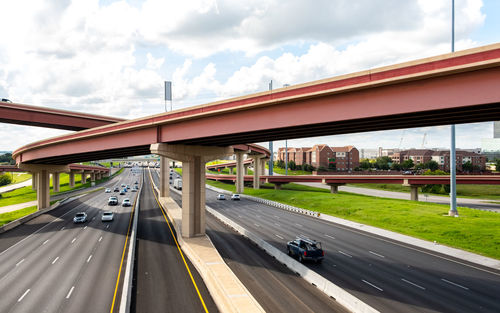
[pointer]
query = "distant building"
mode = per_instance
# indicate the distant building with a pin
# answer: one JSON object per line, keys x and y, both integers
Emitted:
{"x": 369, "y": 153}
{"x": 442, "y": 157}
{"x": 490, "y": 147}
{"x": 342, "y": 158}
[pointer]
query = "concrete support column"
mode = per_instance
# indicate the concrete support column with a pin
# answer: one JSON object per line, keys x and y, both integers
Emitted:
{"x": 277, "y": 186}
{"x": 43, "y": 189}
{"x": 246, "y": 169}
{"x": 34, "y": 180}
{"x": 71, "y": 179}
{"x": 193, "y": 160}
{"x": 231, "y": 170}
{"x": 257, "y": 165}
{"x": 55, "y": 182}
{"x": 84, "y": 178}
{"x": 240, "y": 171}
{"x": 334, "y": 187}
{"x": 164, "y": 177}
{"x": 92, "y": 177}
{"x": 263, "y": 166}
{"x": 414, "y": 192}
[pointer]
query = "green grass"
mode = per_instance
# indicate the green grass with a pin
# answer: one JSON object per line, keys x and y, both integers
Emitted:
{"x": 20, "y": 177}
{"x": 281, "y": 171}
{"x": 475, "y": 230}
{"x": 491, "y": 192}
{"x": 14, "y": 215}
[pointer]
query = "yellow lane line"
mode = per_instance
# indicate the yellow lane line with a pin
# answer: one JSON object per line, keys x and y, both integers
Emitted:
{"x": 177, "y": 244}
{"x": 123, "y": 256}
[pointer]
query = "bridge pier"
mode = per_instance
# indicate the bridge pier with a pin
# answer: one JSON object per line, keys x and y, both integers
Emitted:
{"x": 257, "y": 165}
{"x": 56, "y": 182}
{"x": 84, "y": 178}
{"x": 334, "y": 187}
{"x": 193, "y": 160}
{"x": 33, "y": 181}
{"x": 72, "y": 179}
{"x": 240, "y": 171}
{"x": 277, "y": 186}
{"x": 43, "y": 180}
{"x": 164, "y": 177}
{"x": 413, "y": 190}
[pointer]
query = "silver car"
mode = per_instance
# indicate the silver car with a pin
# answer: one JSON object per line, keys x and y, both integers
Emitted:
{"x": 80, "y": 217}
{"x": 126, "y": 202}
{"x": 107, "y": 216}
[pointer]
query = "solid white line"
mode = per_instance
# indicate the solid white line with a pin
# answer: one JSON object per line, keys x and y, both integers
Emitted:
{"x": 85, "y": 227}
{"x": 45, "y": 242}
{"x": 107, "y": 226}
{"x": 19, "y": 263}
{"x": 256, "y": 225}
{"x": 70, "y": 291}
{"x": 409, "y": 282}
{"x": 62, "y": 228}
{"x": 276, "y": 216}
{"x": 90, "y": 257}
{"x": 326, "y": 235}
{"x": 279, "y": 236}
{"x": 367, "y": 282}
{"x": 74, "y": 239}
{"x": 454, "y": 284}
{"x": 277, "y": 224}
{"x": 379, "y": 255}
{"x": 345, "y": 254}
{"x": 298, "y": 225}
{"x": 55, "y": 260}
{"x": 24, "y": 294}
{"x": 100, "y": 239}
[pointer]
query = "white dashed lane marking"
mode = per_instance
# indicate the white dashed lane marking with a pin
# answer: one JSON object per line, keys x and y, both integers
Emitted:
{"x": 368, "y": 283}
{"x": 379, "y": 255}
{"x": 55, "y": 260}
{"x": 413, "y": 284}
{"x": 454, "y": 284}
{"x": 24, "y": 295}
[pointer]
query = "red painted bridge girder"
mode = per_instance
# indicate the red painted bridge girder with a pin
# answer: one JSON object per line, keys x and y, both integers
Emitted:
{"x": 455, "y": 88}
{"x": 74, "y": 167}
{"x": 15, "y": 113}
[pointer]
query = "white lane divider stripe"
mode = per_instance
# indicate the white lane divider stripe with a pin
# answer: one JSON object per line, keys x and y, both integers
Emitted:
{"x": 55, "y": 260}
{"x": 277, "y": 224}
{"x": 454, "y": 284}
{"x": 346, "y": 254}
{"x": 368, "y": 283}
{"x": 70, "y": 292}
{"x": 85, "y": 227}
{"x": 24, "y": 294}
{"x": 298, "y": 225}
{"x": 62, "y": 228}
{"x": 90, "y": 257}
{"x": 19, "y": 263}
{"x": 379, "y": 255}
{"x": 100, "y": 238}
{"x": 74, "y": 239}
{"x": 413, "y": 284}
{"x": 280, "y": 237}
{"x": 45, "y": 242}
{"x": 326, "y": 235}
{"x": 256, "y": 224}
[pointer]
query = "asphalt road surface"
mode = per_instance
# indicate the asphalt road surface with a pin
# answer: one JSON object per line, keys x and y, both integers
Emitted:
{"x": 51, "y": 264}
{"x": 163, "y": 283}
{"x": 272, "y": 284}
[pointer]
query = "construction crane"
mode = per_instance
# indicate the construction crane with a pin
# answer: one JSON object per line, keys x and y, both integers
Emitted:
{"x": 423, "y": 140}
{"x": 401, "y": 141}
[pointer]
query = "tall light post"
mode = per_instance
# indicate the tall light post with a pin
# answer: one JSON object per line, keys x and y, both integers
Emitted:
{"x": 286, "y": 157}
{"x": 168, "y": 94}
{"x": 271, "y": 157}
{"x": 453, "y": 159}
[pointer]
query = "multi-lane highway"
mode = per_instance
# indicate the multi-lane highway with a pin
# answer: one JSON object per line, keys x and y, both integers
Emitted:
{"x": 51, "y": 264}
{"x": 390, "y": 276}
{"x": 163, "y": 282}
{"x": 275, "y": 287}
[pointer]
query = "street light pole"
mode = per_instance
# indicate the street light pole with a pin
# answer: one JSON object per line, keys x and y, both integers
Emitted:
{"x": 271, "y": 157}
{"x": 453, "y": 158}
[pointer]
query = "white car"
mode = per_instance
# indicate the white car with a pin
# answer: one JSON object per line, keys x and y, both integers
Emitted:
{"x": 126, "y": 202}
{"x": 221, "y": 197}
{"x": 80, "y": 217}
{"x": 235, "y": 197}
{"x": 107, "y": 216}
{"x": 107, "y": 190}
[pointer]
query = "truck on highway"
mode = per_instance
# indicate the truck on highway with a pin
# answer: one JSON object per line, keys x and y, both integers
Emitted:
{"x": 306, "y": 249}
{"x": 178, "y": 184}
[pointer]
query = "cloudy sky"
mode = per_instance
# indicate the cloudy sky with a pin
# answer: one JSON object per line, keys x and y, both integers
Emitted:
{"x": 111, "y": 57}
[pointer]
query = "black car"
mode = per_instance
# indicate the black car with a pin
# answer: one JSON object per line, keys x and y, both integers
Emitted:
{"x": 116, "y": 189}
{"x": 306, "y": 249}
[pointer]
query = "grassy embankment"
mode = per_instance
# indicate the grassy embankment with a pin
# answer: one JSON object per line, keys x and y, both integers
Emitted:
{"x": 475, "y": 230}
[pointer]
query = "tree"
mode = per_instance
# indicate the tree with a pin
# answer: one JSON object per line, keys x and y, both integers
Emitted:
{"x": 497, "y": 165}
{"x": 467, "y": 167}
{"x": 292, "y": 165}
{"x": 5, "y": 179}
{"x": 365, "y": 164}
{"x": 382, "y": 163}
{"x": 7, "y": 158}
{"x": 432, "y": 165}
{"x": 396, "y": 166}
{"x": 407, "y": 164}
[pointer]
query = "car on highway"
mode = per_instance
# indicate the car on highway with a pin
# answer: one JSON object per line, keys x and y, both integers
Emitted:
{"x": 135, "y": 189}
{"x": 107, "y": 190}
{"x": 80, "y": 217}
{"x": 116, "y": 189}
{"x": 221, "y": 197}
{"x": 127, "y": 187}
{"x": 123, "y": 191}
{"x": 107, "y": 216}
{"x": 306, "y": 249}
{"x": 126, "y": 202}
{"x": 235, "y": 197}
{"x": 123, "y": 185}
{"x": 113, "y": 201}
{"x": 136, "y": 183}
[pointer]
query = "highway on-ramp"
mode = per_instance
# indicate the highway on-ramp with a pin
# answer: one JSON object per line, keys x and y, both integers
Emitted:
{"x": 51, "y": 264}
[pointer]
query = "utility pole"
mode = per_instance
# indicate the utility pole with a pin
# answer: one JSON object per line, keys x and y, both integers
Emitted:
{"x": 271, "y": 158}
{"x": 168, "y": 94}
{"x": 453, "y": 158}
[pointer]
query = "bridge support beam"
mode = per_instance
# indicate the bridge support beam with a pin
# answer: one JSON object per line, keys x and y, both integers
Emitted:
{"x": 33, "y": 181}
{"x": 43, "y": 180}
{"x": 56, "y": 186}
{"x": 72, "y": 179}
{"x": 84, "y": 178}
{"x": 193, "y": 160}
{"x": 334, "y": 188}
{"x": 277, "y": 186}
{"x": 257, "y": 165}
{"x": 240, "y": 171}
{"x": 164, "y": 177}
{"x": 413, "y": 190}
{"x": 231, "y": 170}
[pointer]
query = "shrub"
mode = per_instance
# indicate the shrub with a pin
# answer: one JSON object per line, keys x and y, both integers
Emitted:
{"x": 5, "y": 179}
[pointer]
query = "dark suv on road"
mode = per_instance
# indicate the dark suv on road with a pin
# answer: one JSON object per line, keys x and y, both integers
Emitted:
{"x": 306, "y": 249}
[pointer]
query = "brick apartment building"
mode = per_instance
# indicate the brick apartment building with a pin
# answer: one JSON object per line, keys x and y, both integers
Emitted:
{"x": 442, "y": 157}
{"x": 345, "y": 158}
